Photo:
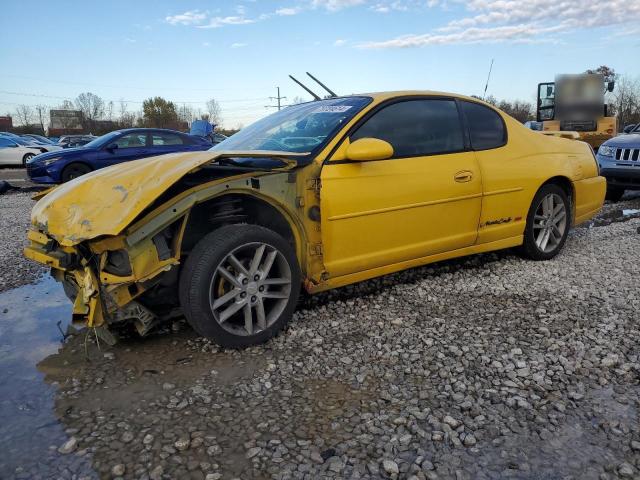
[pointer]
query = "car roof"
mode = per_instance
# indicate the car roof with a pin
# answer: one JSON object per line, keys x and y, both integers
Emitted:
{"x": 133, "y": 130}
{"x": 381, "y": 96}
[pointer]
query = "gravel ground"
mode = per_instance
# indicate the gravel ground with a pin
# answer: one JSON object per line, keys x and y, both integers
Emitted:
{"x": 481, "y": 368}
{"x": 15, "y": 211}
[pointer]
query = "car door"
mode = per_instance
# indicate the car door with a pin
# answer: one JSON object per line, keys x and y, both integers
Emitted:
{"x": 166, "y": 142}
{"x": 424, "y": 200}
{"x": 130, "y": 146}
{"x": 10, "y": 153}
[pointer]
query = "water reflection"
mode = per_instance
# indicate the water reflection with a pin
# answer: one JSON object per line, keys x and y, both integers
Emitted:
{"x": 31, "y": 319}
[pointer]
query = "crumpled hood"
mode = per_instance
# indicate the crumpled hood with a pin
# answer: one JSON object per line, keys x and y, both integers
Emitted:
{"x": 106, "y": 201}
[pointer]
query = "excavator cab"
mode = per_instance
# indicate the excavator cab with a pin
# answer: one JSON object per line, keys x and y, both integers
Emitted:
{"x": 574, "y": 107}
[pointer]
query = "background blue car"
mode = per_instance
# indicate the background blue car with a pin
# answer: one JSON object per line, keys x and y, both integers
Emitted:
{"x": 115, "y": 147}
{"x": 619, "y": 160}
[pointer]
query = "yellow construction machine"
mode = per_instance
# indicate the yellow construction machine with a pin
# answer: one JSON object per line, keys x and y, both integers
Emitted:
{"x": 574, "y": 107}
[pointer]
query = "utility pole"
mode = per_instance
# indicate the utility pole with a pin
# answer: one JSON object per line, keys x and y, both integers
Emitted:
{"x": 278, "y": 98}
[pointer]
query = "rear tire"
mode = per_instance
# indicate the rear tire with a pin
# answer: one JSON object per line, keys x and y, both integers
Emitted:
{"x": 74, "y": 170}
{"x": 548, "y": 223}
{"x": 614, "y": 194}
{"x": 240, "y": 285}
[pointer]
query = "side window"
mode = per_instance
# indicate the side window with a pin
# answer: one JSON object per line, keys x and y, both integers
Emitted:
{"x": 4, "y": 142}
{"x": 159, "y": 139}
{"x": 416, "y": 127}
{"x": 486, "y": 127}
{"x": 132, "y": 140}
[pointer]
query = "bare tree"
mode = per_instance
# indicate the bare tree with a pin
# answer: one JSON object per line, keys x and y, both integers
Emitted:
{"x": 608, "y": 73}
{"x": 67, "y": 105}
{"x": 24, "y": 114}
{"x": 215, "y": 112}
{"x": 297, "y": 100}
{"x": 626, "y": 100}
{"x": 521, "y": 111}
{"x": 186, "y": 113}
{"x": 123, "y": 108}
{"x": 91, "y": 106}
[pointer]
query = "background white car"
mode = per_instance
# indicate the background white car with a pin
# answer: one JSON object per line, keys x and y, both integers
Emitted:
{"x": 15, "y": 151}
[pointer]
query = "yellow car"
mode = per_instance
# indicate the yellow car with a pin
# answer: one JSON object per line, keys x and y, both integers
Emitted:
{"x": 318, "y": 195}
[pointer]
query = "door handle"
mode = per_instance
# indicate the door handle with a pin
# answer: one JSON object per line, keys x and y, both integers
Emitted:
{"x": 463, "y": 176}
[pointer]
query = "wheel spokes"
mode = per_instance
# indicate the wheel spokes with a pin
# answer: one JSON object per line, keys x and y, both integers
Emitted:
{"x": 549, "y": 222}
{"x": 268, "y": 263}
{"x": 276, "y": 281}
{"x": 272, "y": 294}
{"x": 260, "y": 314}
{"x": 229, "y": 311}
{"x": 248, "y": 319}
{"x": 235, "y": 263}
{"x": 225, "y": 298}
{"x": 229, "y": 276}
{"x": 559, "y": 217}
{"x": 250, "y": 288}
{"x": 257, "y": 258}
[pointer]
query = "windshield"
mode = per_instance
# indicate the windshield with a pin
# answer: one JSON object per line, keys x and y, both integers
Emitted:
{"x": 302, "y": 128}
{"x": 25, "y": 141}
{"x": 42, "y": 139}
{"x": 98, "y": 142}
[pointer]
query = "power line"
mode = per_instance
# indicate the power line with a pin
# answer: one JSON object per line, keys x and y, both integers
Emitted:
{"x": 67, "y": 82}
{"x": 39, "y": 95}
{"x": 278, "y": 98}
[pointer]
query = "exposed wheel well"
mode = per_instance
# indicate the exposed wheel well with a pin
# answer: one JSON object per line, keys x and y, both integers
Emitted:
{"x": 234, "y": 208}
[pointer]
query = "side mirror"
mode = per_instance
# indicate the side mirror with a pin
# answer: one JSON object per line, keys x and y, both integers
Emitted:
{"x": 369, "y": 149}
{"x": 112, "y": 146}
{"x": 610, "y": 86}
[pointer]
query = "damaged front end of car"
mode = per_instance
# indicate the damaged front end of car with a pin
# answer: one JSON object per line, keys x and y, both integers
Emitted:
{"x": 104, "y": 278}
{"x": 115, "y": 239}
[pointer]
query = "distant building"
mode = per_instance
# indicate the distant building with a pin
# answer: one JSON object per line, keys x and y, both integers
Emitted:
{"x": 65, "y": 122}
{"x": 6, "y": 123}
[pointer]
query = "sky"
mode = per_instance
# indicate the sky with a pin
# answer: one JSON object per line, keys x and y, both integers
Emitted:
{"x": 238, "y": 52}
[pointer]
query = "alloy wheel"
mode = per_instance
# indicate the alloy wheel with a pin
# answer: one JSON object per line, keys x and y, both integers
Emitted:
{"x": 549, "y": 223}
{"x": 250, "y": 289}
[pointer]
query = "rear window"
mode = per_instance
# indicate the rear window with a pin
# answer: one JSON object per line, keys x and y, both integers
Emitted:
{"x": 486, "y": 127}
{"x": 166, "y": 139}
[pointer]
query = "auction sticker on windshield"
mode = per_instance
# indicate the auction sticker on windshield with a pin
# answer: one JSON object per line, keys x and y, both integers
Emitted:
{"x": 332, "y": 109}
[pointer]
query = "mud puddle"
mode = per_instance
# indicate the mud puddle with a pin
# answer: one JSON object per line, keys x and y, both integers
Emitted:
{"x": 584, "y": 441}
{"x": 31, "y": 320}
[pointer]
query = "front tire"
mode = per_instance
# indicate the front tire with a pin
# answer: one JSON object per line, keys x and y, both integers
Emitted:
{"x": 614, "y": 194}
{"x": 26, "y": 158}
{"x": 74, "y": 170}
{"x": 548, "y": 223}
{"x": 240, "y": 285}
